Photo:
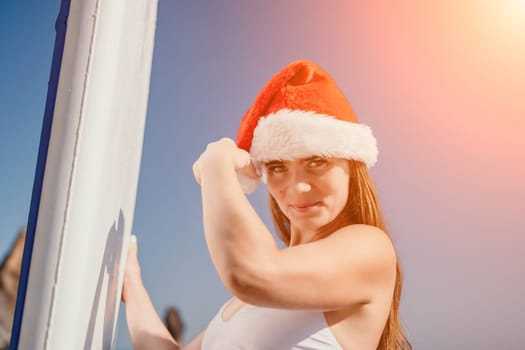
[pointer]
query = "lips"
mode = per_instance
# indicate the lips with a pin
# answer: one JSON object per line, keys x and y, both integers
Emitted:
{"x": 302, "y": 207}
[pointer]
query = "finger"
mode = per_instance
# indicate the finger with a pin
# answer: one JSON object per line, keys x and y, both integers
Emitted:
{"x": 241, "y": 158}
{"x": 249, "y": 178}
{"x": 196, "y": 171}
{"x": 251, "y": 171}
{"x": 133, "y": 246}
{"x": 228, "y": 141}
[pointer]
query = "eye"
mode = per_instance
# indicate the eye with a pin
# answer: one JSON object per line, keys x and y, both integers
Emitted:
{"x": 276, "y": 168}
{"x": 316, "y": 162}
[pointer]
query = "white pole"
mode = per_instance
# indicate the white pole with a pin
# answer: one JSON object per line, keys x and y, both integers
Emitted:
{"x": 89, "y": 185}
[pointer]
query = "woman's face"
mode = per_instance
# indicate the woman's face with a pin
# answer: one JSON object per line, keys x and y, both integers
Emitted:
{"x": 311, "y": 192}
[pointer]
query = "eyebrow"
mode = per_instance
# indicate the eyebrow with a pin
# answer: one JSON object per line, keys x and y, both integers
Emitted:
{"x": 273, "y": 162}
{"x": 305, "y": 160}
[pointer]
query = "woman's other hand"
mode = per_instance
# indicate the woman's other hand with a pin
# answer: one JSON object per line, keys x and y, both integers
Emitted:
{"x": 146, "y": 329}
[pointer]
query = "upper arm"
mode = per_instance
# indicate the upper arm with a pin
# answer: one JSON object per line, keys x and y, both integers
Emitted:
{"x": 195, "y": 344}
{"x": 346, "y": 268}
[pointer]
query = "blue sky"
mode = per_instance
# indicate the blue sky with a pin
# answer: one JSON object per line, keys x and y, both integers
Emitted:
{"x": 27, "y": 36}
{"x": 440, "y": 83}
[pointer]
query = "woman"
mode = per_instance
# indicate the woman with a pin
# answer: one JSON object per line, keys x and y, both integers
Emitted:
{"x": 338, "y": 283}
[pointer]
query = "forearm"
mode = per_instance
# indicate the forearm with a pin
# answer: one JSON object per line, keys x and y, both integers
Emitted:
{"x": 145, "y": 327}
{"x": 237, "y": 238}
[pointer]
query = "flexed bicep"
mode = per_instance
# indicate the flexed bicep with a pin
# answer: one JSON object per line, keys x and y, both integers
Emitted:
{"x": 346, "y": 268}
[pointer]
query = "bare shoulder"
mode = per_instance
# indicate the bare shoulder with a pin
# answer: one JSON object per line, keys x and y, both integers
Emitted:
{"x": 363, "y": 234}
{"x": 369, "y": 243}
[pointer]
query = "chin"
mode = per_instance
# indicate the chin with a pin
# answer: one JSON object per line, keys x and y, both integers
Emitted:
{"x": 311, "y": 224}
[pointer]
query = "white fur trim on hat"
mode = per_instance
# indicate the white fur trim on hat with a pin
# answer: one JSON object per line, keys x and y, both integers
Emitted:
{"x": 291, "y": 134}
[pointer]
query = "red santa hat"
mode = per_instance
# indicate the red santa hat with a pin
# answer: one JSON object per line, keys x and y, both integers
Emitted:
{"x": 301, "y": 112}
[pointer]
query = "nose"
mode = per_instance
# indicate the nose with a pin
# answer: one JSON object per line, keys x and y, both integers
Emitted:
{"x": 303, "y": 186}
{"x": 299, "y": 180}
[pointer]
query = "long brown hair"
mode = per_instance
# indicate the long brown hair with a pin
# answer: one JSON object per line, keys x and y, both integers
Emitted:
{"x": 362, "y": 207}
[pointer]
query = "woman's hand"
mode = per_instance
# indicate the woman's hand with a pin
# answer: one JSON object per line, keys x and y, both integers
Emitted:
{"x": 146, "y": 329}
{"x": 222, "y": 152}
{"x": 132, "y": 274}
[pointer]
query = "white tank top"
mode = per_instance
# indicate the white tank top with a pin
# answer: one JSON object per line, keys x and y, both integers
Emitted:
{"x": 258, "y": 328}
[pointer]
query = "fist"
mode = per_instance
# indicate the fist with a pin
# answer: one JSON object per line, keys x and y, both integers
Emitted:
{"x": 225, "y": 151}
